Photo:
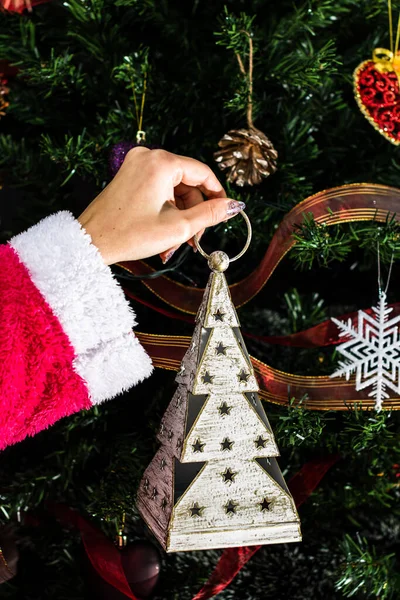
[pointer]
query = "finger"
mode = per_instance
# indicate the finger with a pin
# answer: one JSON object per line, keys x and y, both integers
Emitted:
{"x": 168, "y": 254}
{"x": 196, "y": 174}
{"x": 210, "y": 213}
{"x": 130, "y": 158}
{"x": 132, "y": 155}
{"x": 137, "y": 150}
{"x": 187, "y": 197}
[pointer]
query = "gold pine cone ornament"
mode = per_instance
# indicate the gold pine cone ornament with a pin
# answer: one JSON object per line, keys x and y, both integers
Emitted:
{"x": 248, "y": 154}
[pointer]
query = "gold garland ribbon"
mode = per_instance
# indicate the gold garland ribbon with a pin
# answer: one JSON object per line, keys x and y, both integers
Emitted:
{"x": 344, "y": 204}
{"x": 277, "y": 387}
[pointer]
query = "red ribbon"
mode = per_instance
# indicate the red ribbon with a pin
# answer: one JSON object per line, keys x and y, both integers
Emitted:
{"x": 348, "y": 203}
{"x": 278, "y": 387}
{"x": 323, "y": 334}
{"x": 102, "y": 553}
{"x": 106, "y": 559}
{"x": 233, "y": 559}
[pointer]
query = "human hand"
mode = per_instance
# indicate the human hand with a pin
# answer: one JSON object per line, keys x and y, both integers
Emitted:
{"x": 154, "y": 204}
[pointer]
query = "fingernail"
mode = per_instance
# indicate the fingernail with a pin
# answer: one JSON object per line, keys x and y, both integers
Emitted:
{"x": 168, "y": 256}
{"x": 235, "y": 207}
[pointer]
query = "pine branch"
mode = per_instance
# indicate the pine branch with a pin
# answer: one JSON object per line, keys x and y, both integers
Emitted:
{"x": 23, "y": 31}
{"x": 88, "y": 11}
{"x": 56, "y": 72}
{"x": 77, "y": 155}
{"x": 364, "y": 572}
{"x": 299, "y": 427}
{"x": 369, "y": 431}
{"x": 304, "y": 311}
{"x": 235, "y": 34}
{"x": 319, "y": 243}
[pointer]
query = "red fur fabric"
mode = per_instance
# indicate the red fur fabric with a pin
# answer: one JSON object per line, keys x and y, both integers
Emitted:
{"x": 38, "y": 384}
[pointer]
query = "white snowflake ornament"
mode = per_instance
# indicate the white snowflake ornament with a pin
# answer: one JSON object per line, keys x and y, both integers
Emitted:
{"x": 373, "y": 351}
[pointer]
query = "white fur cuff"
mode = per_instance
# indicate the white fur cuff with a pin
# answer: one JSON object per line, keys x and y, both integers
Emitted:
{"x": 89, "y": 303}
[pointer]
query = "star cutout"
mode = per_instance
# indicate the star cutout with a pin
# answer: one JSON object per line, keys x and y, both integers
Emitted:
{"x": 162, "y": 464}
{"x": 243, "y": 376}
{"x": 228, "y": 476}
{"x": 230, "y": 507}
{"x": 226, "y": 444}
{"x": 260, "y": 442}
{"x": 155, "y": 493}
{"x": 198, "y": 446}
{"x": 196, "y": 510}
{"x": 218, "y": 315}
{"x": 265, "y": 504}
{"x": 224, "y": 409}
{"x": 207, "y": 378}
{"x": 221, "y": 349}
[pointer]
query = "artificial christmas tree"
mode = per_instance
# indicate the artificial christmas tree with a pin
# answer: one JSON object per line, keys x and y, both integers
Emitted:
{"x": 66, "y": 113}
{"x": 216, "y": 436}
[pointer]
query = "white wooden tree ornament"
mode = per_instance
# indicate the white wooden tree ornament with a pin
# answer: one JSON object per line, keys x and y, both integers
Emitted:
{"x": 214, "y": 482}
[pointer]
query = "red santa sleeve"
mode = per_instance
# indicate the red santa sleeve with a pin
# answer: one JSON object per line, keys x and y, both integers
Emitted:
{"x": 66, "y": 339}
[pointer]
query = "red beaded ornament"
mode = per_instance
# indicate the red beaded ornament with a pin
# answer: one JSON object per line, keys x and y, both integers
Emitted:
{"x": 377, "y": 91}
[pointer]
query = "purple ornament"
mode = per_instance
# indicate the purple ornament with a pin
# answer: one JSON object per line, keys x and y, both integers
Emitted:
{"x": 117, "y": 155}
{"x": 141, "y": 562}
{"x": 120, "y": 150}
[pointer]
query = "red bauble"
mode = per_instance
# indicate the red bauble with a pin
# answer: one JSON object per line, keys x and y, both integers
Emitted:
{"x": 4, "y": 90}
{"x": 9, "y": 555}
{"x": 19, "y": 6}
{"x": 141, "y": 562}
{"x": 378, "y": 97}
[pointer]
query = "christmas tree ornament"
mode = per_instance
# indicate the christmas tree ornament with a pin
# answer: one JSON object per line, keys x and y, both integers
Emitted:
{"x": 372, "y": 351}
{"x": 8, "y": 555}
{"x": 127, "y": 73}
{"x": 247, "y": 153}
{"x": 120, "y": 150}
{"x": 215, "y": 481}
{"x": 18, "y": 6}
{"x": 140, "y": 563}
{"x": 117, "y": 155}
{"x": 373, "y": 348}
{"x": 376, "y": 87}
{"x": 4, "y": 90}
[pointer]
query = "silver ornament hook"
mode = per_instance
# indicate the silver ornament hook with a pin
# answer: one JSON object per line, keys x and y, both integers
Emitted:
{"x": 247, "y": 244}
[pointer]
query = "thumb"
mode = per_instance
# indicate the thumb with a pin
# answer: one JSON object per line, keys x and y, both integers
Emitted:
{"x": 211, "y": 212}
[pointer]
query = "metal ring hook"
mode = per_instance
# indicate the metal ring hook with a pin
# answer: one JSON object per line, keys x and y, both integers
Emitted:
{"x": 247, "y": 244}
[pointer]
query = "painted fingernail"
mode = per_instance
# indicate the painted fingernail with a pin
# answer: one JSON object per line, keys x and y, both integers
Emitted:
{"x": 235, "y": 207}
{"x": 168, "y": 256}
